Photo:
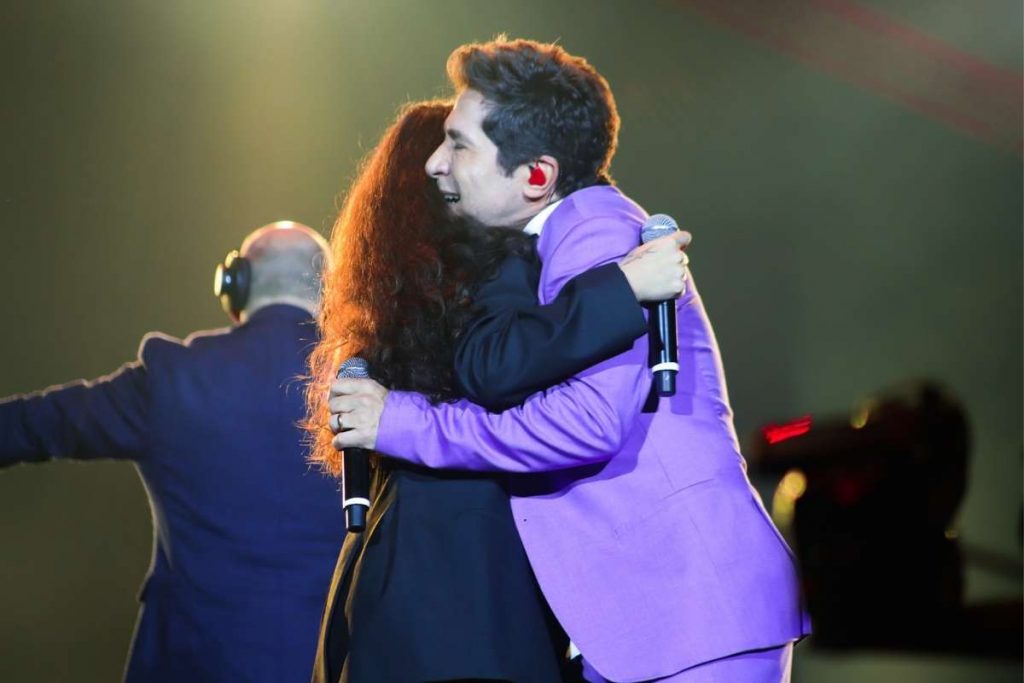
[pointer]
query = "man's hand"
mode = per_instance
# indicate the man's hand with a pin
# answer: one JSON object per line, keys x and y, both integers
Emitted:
{"x": 356, "y": 406}
{"x": 657, "y": 271}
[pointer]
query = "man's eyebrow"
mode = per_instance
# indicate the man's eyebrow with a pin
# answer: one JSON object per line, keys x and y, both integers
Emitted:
{"x": 456, "y": 135}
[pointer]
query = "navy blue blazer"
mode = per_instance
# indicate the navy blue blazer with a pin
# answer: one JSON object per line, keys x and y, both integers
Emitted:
{"x": 246, "y": 535}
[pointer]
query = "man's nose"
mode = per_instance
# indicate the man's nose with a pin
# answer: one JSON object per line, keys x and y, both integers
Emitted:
{"x": 437, "y": 164}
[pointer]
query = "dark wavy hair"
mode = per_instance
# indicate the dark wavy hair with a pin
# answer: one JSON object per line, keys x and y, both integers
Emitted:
{"x": 399, "y": 289}
{"x": 542, "y": 101}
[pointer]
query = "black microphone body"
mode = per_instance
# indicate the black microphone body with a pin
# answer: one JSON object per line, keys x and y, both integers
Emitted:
{"x": 666, "y": 359}
{"x": 355, "y": 482}
{"x": 355, "y": 488}
{"x": 667, "y": 367}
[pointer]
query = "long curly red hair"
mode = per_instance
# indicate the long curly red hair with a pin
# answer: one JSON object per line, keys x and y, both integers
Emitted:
{"x": 385, "y": 246}
{"x": 399, "y": 289}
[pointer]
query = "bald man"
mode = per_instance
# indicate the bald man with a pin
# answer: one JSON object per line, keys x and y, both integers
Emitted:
{"x": 286, "y": 261}
{"x": 245, "y": 537}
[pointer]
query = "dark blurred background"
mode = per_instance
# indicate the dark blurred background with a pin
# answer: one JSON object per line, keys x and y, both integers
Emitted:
{"x": 851, "y": 172}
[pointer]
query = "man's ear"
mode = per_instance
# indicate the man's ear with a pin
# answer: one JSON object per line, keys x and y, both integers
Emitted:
{"x": 540, "y": 178}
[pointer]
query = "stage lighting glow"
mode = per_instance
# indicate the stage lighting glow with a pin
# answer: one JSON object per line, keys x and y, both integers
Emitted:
{"x": 775, "y": 433}
{"x": 790, "y": 488}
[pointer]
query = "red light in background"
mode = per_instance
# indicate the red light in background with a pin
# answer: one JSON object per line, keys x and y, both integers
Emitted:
{"x": 776, "y": 433}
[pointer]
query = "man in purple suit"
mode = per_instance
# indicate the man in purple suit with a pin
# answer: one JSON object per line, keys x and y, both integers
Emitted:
{"x": 646, "y": 537}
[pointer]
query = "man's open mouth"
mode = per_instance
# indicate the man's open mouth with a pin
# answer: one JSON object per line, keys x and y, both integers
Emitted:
{"x": 450, "y": 197}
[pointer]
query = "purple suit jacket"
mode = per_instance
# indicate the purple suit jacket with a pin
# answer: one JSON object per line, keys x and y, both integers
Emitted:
{"x": 646, "y": 537}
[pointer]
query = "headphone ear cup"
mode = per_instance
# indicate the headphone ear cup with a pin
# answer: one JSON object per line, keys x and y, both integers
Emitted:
{"x": 537, "y": 176}
{"x": 231, "y": 283}
{"x": 243, "y": 278}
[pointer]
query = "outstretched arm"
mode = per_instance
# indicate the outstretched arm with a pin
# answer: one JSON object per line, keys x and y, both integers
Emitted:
{"x": 103, "y": 418}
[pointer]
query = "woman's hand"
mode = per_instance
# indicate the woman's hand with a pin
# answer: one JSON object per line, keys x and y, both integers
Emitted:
{"x": 657, "y": 271}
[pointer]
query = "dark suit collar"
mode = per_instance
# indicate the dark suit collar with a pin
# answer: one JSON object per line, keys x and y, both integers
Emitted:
{"x": 279, "y": 312}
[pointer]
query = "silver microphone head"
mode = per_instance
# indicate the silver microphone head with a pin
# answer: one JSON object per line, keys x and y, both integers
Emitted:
{"x": 656, "y": 226}
{"x": 354, "y": 368}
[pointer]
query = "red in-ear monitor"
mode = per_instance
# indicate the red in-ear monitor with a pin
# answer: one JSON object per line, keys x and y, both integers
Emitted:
{"x": 537, "y": 176}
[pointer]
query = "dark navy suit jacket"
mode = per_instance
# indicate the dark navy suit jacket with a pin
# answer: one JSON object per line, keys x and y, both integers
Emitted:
{"x": 245, "y": 534}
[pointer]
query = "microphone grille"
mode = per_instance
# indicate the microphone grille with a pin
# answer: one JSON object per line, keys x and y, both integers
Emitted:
{"x": 656, "y": 226}
{"x": 354, "y": 368}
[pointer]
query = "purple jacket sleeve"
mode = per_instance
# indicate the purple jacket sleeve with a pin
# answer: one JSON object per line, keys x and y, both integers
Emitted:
{"x": 581, "y": 421}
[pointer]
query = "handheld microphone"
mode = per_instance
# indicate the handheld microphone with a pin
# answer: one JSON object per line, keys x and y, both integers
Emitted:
{"x": 665, "y": 359}
{"x": 355, "y": 482}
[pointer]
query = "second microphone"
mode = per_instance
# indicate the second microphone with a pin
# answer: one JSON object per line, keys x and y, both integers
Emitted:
{"x": 355, "y": 483}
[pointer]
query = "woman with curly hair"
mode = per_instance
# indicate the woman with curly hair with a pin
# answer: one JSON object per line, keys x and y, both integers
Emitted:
{"x": 438, "y": 587}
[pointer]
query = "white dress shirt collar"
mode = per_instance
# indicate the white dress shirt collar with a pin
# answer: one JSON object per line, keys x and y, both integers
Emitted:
{"x": 536, "y": 223}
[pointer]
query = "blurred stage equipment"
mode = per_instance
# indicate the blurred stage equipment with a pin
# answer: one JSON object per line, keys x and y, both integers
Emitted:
{"x": 869, "y": 504}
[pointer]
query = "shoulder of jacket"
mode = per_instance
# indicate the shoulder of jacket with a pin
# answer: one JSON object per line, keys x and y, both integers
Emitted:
{"x": 161, "y": 345}
{"x": 599, "y": 201}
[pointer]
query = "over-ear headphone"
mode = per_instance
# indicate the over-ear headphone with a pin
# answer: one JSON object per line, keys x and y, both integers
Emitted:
{"x": 537, "y": 176}
{"x": 231, "y": 283}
